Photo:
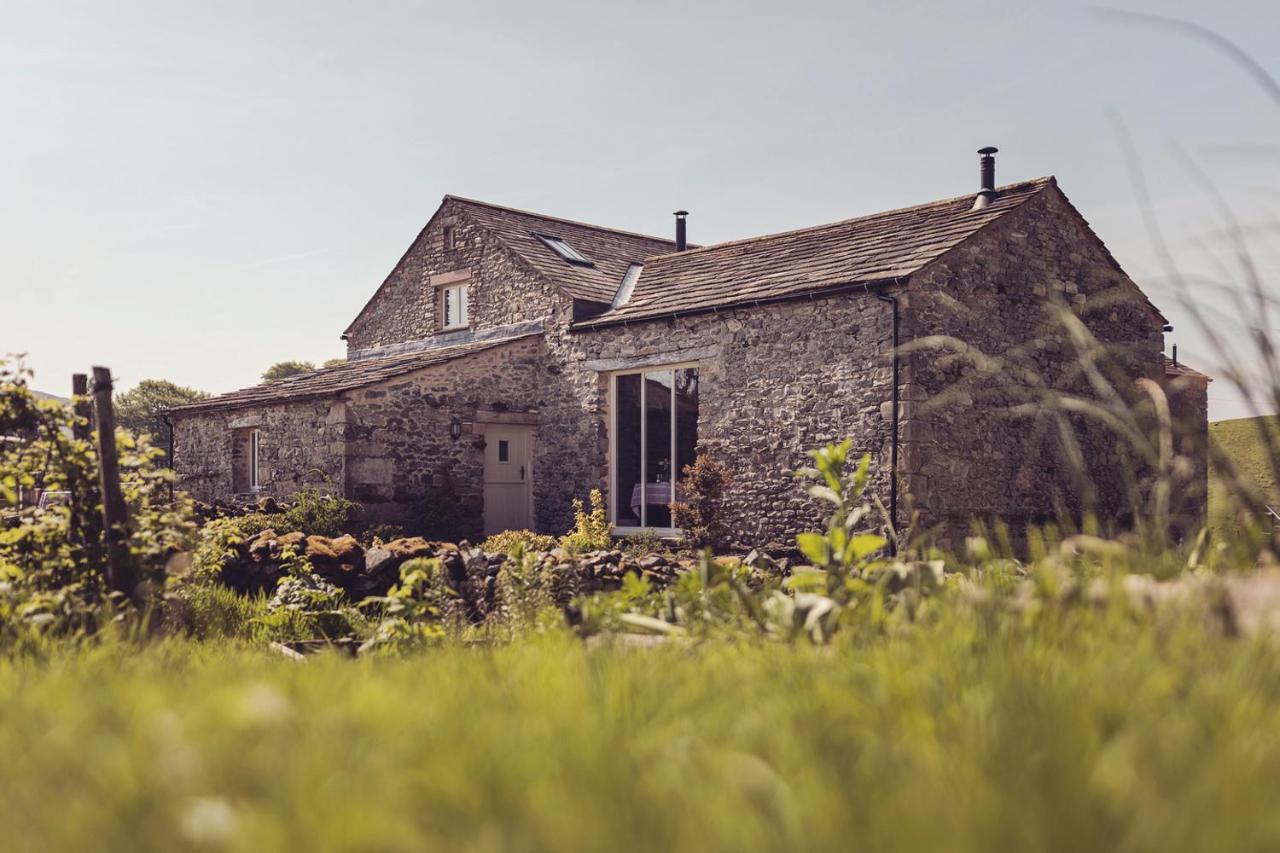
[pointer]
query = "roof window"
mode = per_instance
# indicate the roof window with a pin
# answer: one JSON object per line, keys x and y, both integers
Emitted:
{"x": 564, "y": 250}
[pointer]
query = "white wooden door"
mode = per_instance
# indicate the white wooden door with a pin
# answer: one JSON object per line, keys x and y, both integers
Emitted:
{"x": 507, "y": 478}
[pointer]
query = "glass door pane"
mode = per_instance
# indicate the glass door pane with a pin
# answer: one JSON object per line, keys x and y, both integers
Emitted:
{"x": 627, "y": 503}
{"x": 658, "y": 448}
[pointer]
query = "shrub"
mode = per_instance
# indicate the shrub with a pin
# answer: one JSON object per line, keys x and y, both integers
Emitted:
{"x": 701, "y": 514}
{"x": 413, "y": 610}
{"x": 506, "y": 541}
{"x": 591, "y": 531}
{"x": 641, "y": 544}
{"x": 53, "y": 571}
{"x": 376, "y": 534}
{"x": 218, "y": 538}
{"x": 320, "y": 514}
{"x": 306, "y": 606}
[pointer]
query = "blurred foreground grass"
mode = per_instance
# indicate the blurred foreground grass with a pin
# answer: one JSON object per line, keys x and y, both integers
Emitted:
{"x": 1078, "y": 730}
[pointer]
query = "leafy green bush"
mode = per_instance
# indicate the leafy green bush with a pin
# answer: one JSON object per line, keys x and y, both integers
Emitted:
{"x": 641, "y": 544}
{"x": 318, "y": 513}
{"x": 591, "y": 531}
{"x": 53, "y": 568}
{"x": 506, "y": 541}
{"x": 701, "y": 513}
{"x": 217, "y": 539}
{"x": 376, "y": 534}
{"x": 413, "y": 611}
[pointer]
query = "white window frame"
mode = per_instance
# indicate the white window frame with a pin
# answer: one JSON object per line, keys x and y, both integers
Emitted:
{"x": 464, "y": 302}
{"x": 255, "y": 461}
{"x": 613, "y": 443}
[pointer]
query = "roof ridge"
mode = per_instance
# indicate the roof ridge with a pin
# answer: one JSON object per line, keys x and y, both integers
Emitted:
{"x": 1042, "y": 181}
{"x": 561, "y": 219}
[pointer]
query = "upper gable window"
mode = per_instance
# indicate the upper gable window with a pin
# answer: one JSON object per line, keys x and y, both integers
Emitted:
{"x": 453, "y": 306}
{"x": 564, "y": 250}
{"x": 450, "y": 238}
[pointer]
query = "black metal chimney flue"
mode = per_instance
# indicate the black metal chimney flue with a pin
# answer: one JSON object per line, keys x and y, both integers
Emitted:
{"x": 682, "y": 241}
{"x": 987, "y": 163}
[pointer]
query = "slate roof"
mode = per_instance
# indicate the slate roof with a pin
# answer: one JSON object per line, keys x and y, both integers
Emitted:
{"x": 335, "y": 380}
{"x": 1177, "y": 368}
{"x": 611, "y": 250}
{"x": 863, "y": 250}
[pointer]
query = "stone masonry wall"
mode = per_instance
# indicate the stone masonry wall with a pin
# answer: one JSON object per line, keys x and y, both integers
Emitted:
{"x": 774, "y": 383}
{"x": 403, "y": 465}
{"x": 300, "y": 444}
{"x": 989, "y": 446}
{"x": 387, "y": 446}
{"x": 502, "y": 289}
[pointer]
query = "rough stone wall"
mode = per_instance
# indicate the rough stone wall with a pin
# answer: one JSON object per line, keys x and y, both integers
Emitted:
{"x": 1188, "y": 397}
{"x": 774, "y": 383}
{"x": 387, "y": 446}
{"x": 402, "y": 463}
{"x": 502, "y": 289}
{"x": 299, "y": 444}
{"x": 990, "y": 446}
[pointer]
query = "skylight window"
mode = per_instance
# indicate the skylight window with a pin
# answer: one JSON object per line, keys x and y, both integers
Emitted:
{"x": 564, "y": 250}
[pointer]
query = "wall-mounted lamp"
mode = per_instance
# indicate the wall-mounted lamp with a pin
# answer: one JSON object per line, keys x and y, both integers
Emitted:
{"x": 455, "y": 429}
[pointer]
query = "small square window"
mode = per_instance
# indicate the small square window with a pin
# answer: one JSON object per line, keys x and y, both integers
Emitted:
{"x": 453, "y": 307}
{"x": 504, "y": 450}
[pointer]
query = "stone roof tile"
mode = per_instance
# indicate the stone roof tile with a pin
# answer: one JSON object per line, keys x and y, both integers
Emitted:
{"x": 863, "y": 250}
{"x": 610, "y": 250}
{"x": 335, "y": 380}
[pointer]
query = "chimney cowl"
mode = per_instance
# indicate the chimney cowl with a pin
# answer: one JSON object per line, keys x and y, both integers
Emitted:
{"x": 682, "y": 241}
{"x": 987, "y": 169}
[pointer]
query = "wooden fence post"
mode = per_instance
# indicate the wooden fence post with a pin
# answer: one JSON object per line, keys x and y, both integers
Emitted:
{"x": 80, "y": 432}
{"x": 81, "y": 407}
{"x": 115, "y": 516}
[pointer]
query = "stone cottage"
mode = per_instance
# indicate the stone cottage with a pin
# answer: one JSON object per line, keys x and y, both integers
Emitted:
{"x": 512, "y": 361}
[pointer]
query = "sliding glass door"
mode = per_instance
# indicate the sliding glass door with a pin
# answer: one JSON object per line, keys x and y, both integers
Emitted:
{"x": 654, "y": 435}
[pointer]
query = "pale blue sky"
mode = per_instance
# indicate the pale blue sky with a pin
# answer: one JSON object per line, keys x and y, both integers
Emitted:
{"x": 194, "y": 191}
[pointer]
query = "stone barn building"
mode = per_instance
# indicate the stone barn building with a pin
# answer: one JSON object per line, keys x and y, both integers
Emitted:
{"x": 513, "y": 361}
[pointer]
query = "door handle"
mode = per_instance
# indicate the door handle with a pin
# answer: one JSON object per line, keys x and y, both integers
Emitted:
{"x": 522, "y": 473}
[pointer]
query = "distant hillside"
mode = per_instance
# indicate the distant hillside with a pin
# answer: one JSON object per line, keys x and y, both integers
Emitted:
{"x": 1242, "y": 440}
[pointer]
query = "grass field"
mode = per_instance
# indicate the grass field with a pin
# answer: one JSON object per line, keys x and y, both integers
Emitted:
{"x": 1084, "y": 730}
{"x": 1242, "y": 441}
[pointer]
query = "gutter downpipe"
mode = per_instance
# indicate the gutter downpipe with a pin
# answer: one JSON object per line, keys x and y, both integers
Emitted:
{"x": 168, "y": 423}
{"x": 893, "y": 436}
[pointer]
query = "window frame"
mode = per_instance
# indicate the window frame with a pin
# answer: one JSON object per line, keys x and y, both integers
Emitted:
{"x": 564, "y": 250}
{"x": 255, "y": 460}
{"x": 617, "y": 531}
{"x": 463, "y": 289}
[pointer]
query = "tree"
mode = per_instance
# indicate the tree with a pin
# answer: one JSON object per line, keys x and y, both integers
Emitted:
{"x": 281, "y": 369}
{"x": 334, "y": 362}
{"x": 141, "y": 409}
